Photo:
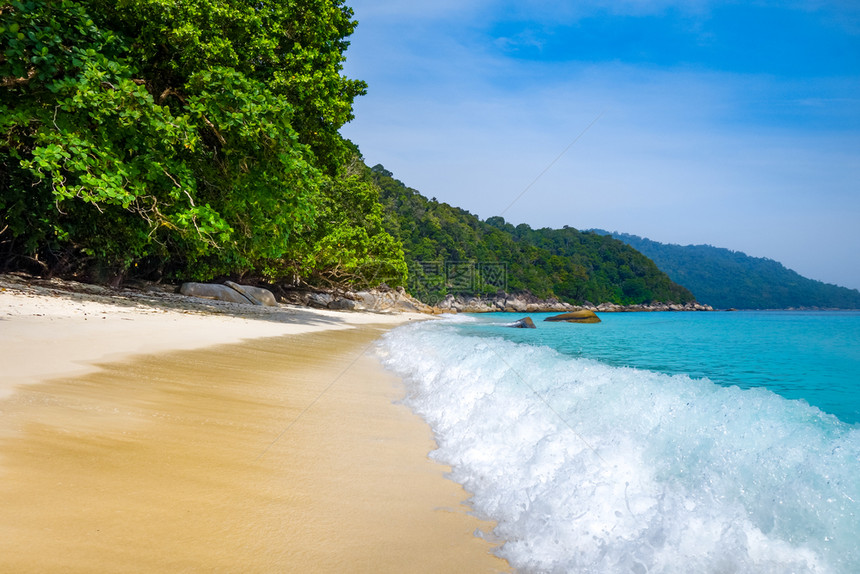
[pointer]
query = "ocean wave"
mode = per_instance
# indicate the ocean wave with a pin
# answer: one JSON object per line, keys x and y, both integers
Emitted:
{"x": 587, "y": 467}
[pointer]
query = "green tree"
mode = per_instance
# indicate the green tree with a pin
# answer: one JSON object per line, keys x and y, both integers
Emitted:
{"x": 199, "y": 135}
{"x": 349, "y": 244}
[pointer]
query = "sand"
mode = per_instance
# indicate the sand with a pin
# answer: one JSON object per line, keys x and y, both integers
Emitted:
{"x": 51, "y": 328}
{"x": 264, "y": 444}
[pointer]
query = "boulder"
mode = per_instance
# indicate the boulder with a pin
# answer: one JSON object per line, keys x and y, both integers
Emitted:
{"x": 475, "y": 305}
{"x": 257, "y": 295}
{"x": 319, "y": 300}
{"x": 342, "y": 304}
{"x": 365, "y": 300}
{"x": 213, "y": 291}
{"x": 584, "y": 316}
{"x": 524, "y": 323}
{"x": 387, "y": 300}
{"x": 410, "y": 305}
{"x": 447, "y": 302}
{"x": 230, "y": 292}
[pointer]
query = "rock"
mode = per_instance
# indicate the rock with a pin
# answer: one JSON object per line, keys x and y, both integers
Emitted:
{"x": 230, "y": 292}
{"x": 213, "y": 291}
{"x": 445, "y": 304}
{"x": 365, "y": 300}
{"x": 257, "y": 295}
{"x": 515, "y": 304}
{"x": 524, "y": 323}
{"x": 475, "y": 305}
{"x": 388, "y": 300}
{"x": 319, "y": 300}
{"x": 342, "y": 304}
{"x": 407, "y": 306}
{"x": 583, "y": 316}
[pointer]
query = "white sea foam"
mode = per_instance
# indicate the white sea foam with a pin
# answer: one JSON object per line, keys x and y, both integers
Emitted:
{"x": 591, "y": 468}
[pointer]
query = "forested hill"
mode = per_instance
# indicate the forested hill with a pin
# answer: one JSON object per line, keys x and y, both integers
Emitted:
{"x": 725, "y": 279}
{"x": 449, "y": 250}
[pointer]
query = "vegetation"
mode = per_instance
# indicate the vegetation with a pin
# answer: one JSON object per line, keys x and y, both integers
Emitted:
{"x": 193, "y": 139}
{"x": 450, "y": 250}
{"x": 730, "y": 279}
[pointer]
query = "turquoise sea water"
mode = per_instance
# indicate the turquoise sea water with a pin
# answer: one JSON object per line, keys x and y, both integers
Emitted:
{"x": 805, "y": 355}
{"x": 651, "y": 442}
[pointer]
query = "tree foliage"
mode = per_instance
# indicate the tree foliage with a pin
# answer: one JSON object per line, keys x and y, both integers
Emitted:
{"x": 196, "y": 137}
{"x": 349, "y": 244}
{"x": 564, "y": 263}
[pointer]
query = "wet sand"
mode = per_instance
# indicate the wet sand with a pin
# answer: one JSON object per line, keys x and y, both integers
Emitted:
{"x": 280, "y": 454}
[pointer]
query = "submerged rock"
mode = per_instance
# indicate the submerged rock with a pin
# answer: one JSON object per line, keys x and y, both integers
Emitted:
{"x": 584, "y": 316}
{"x": 524, "y": 323}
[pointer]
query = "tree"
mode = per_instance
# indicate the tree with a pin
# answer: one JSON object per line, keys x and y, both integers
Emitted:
{"x": 349, "y": 243}
{"x": 199, "y": 136}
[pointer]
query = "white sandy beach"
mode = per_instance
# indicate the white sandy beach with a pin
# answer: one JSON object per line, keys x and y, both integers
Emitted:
{"x": 49, "y": 331}
{"x": 143, "y": 433}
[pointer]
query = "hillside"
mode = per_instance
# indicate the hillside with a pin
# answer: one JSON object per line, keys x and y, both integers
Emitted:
{"x": 725, "y": 279}
{"x": 449, "y": 250}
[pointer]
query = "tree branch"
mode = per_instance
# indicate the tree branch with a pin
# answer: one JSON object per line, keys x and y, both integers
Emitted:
{"x": 9, "y": 82}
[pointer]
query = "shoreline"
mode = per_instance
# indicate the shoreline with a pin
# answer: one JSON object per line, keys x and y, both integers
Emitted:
{"x": 286, "y": 451}
{"x": 60, "y": 328}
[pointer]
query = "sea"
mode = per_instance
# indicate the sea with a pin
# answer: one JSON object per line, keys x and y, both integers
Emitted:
{"x": 666, "y": 442}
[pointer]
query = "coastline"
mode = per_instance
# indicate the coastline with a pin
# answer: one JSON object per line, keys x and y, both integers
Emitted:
{"x": 174, "y": 439}
{"x": 61, "y": 328}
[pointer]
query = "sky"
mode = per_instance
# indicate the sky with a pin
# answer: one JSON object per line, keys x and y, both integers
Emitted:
{"x": 733, "y": 124}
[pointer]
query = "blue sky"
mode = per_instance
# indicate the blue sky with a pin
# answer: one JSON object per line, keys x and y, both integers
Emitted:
{"x": 735, "y": 124}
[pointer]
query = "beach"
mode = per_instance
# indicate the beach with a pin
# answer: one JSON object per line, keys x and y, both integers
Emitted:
{"x": 148, "y": 432}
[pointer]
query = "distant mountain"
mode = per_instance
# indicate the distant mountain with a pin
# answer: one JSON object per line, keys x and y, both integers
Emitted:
{"x": 724, "y": 279}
